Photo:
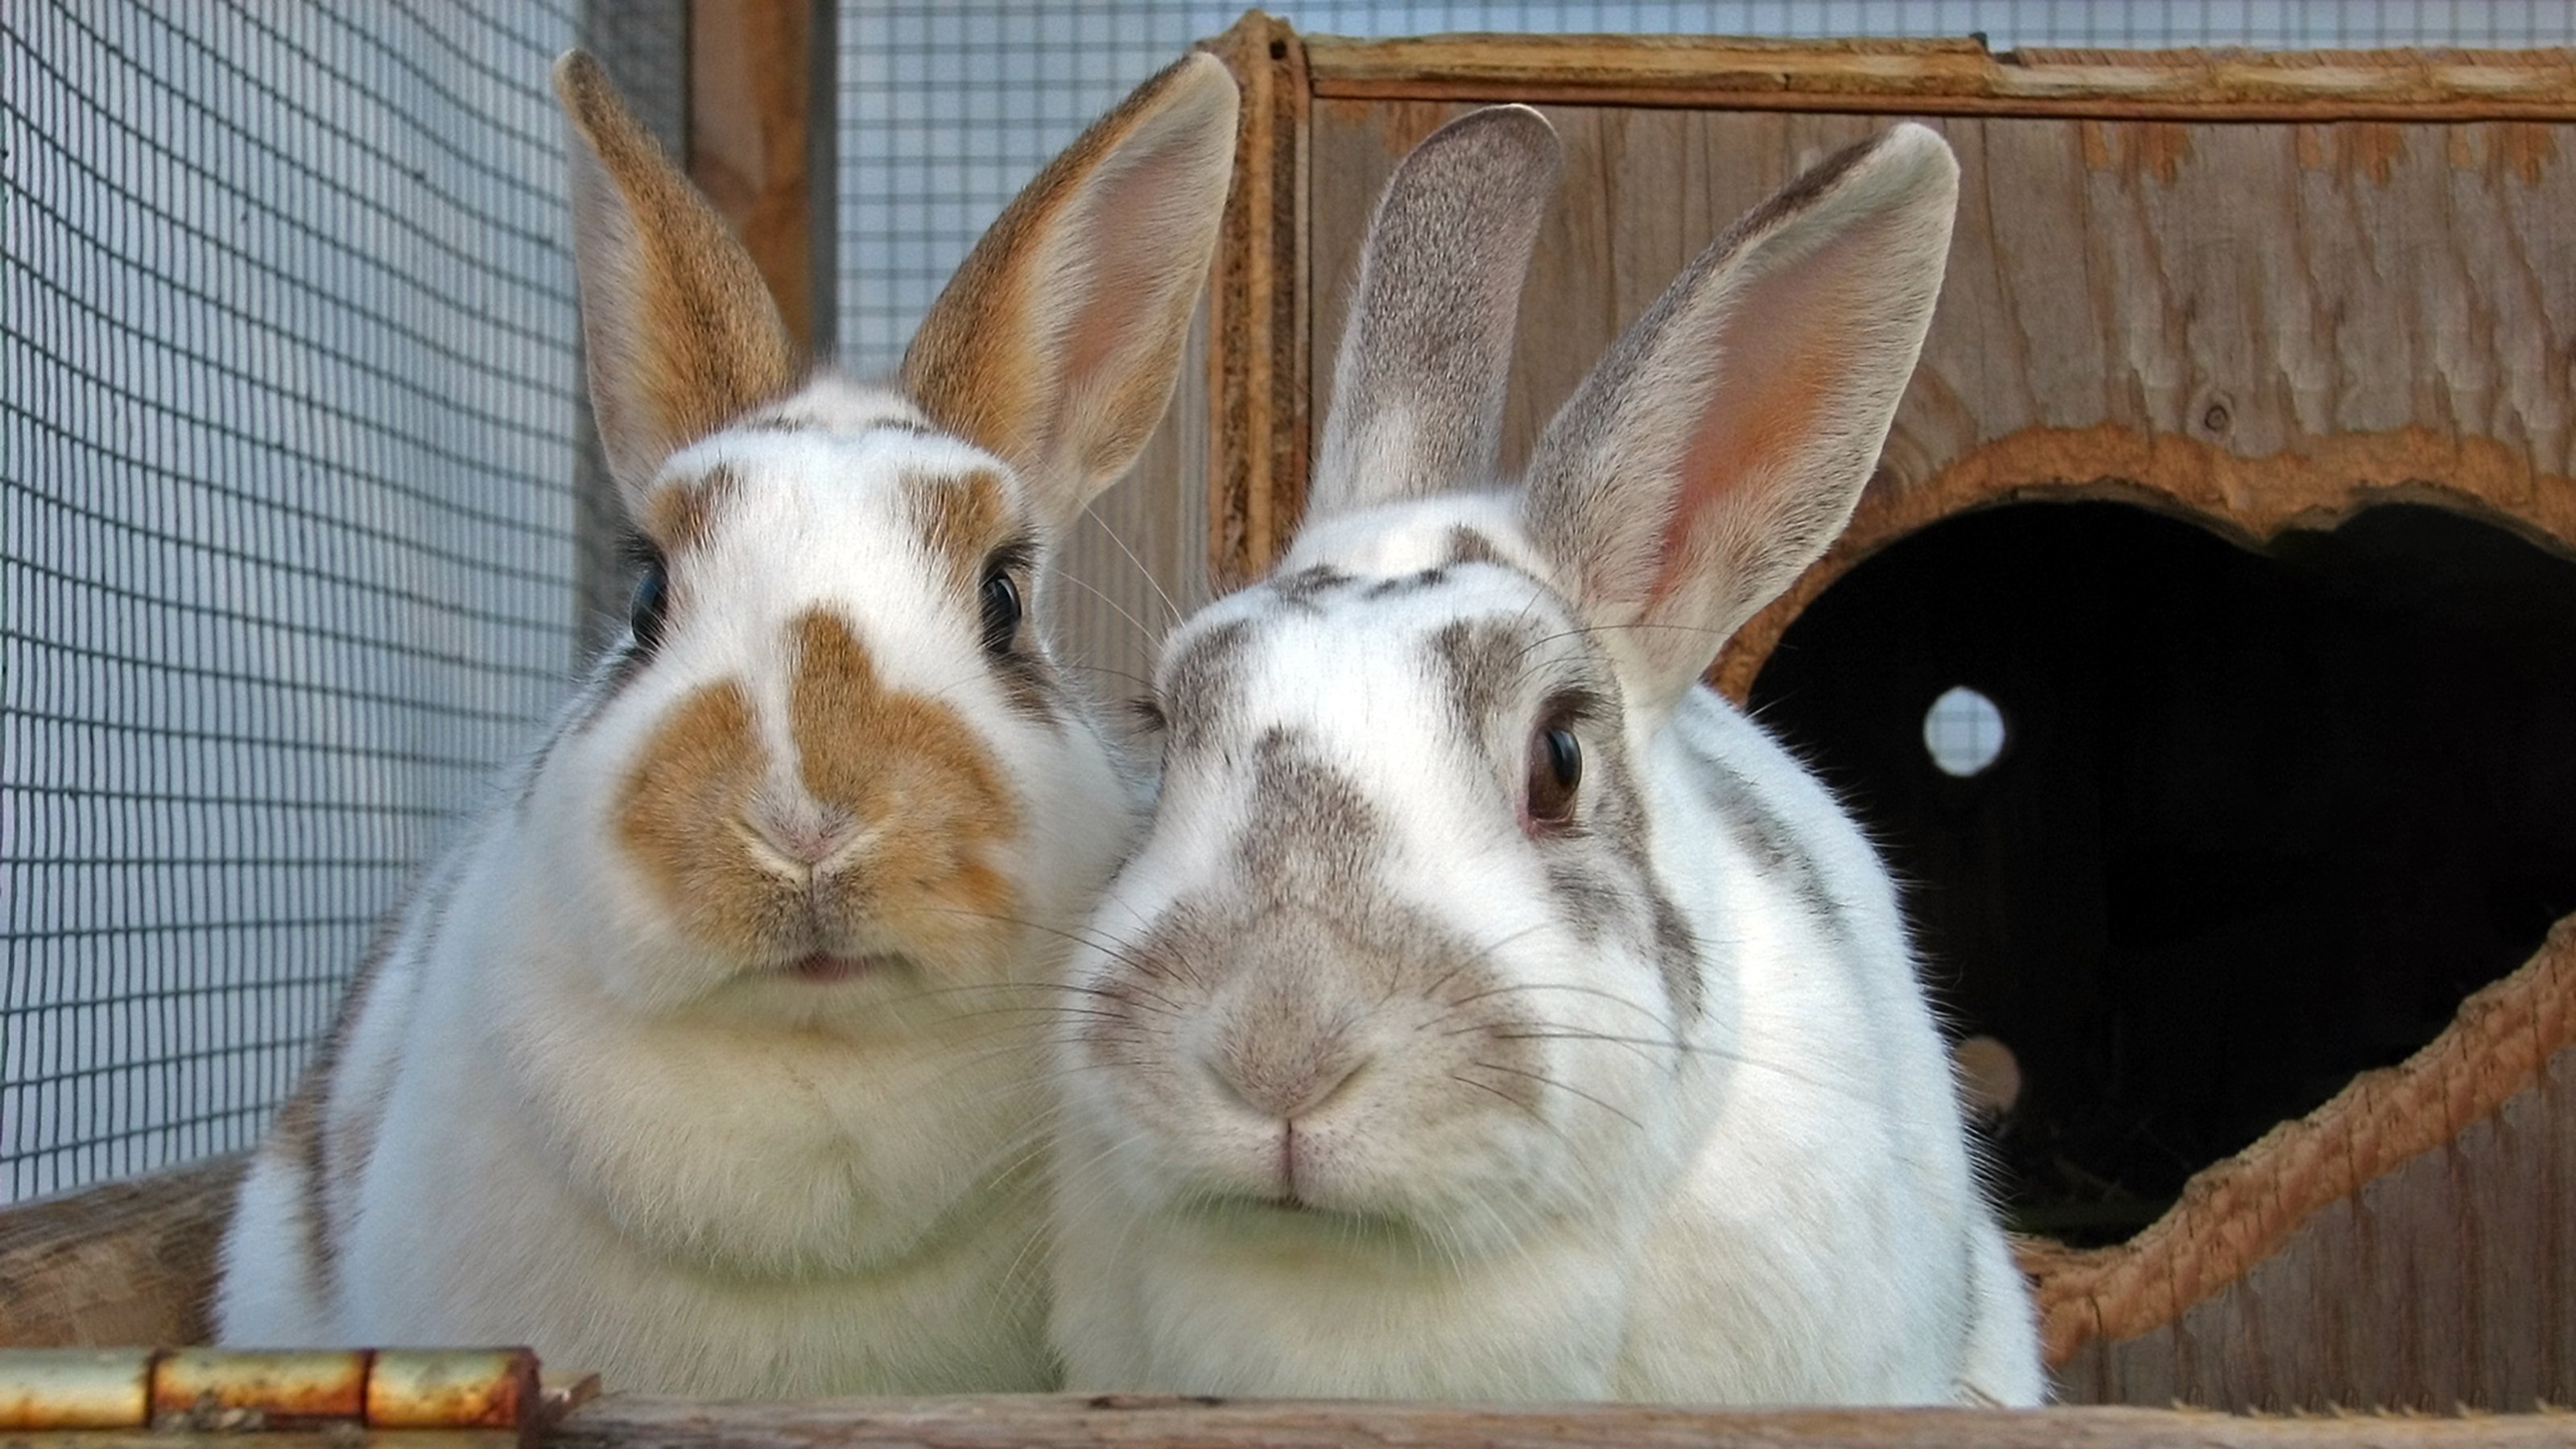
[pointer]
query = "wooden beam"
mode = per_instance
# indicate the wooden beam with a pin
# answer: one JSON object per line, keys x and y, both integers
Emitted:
{"x": 1258, "y": 328}
{"x": 760, "y": 119}
{"x": 1951, "y": 77}
{"x": 619, "y": 1422}
{"x": 125, "y": 1263}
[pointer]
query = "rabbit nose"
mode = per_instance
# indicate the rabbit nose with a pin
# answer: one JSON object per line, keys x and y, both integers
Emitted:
{"x": 801, "y": 838}
{"x": 1282, "y": 1081}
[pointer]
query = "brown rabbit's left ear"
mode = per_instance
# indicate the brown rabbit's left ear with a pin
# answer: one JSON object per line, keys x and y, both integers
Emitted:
{"x": 680, "y": 332}
{"x": 1057, "y": 343}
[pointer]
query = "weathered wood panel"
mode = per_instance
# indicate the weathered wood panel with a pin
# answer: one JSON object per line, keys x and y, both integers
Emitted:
{"x": 2262, "y": 326}
{"x": 127, "y": 1263}
{"x": 759, "y": 118}
{"x": 2410, "y": 1244}
{"x": 619, "y": 1422}
{"x": 1954, "y": 77}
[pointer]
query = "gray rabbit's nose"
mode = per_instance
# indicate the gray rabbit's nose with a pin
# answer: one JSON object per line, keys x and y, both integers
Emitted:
{"x": 1285, "y": 1075}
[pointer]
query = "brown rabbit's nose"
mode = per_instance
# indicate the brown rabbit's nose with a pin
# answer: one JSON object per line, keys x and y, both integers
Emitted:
{"x": 1285, "y": 1079}
{"x": 801, "y": 836}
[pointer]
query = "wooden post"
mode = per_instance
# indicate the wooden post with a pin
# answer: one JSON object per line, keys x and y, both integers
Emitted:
{"x": 760, "y": 133}
{"x": 1257, "y": 310}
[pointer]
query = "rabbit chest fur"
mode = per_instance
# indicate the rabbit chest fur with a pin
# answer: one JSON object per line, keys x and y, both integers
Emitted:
{"x": 1491, "y": 1011}
{"x": 708, "y": 1059}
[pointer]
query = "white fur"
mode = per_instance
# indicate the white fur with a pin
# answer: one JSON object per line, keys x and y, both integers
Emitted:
{"x": 1764, "y": 1198}
{"x": 761, "y": 1113}
{"x": 598, "y": 1139}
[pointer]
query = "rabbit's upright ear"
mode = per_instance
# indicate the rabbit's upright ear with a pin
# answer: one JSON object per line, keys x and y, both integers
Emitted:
{"x": 1057, "y": 343}
{"x": 1721, "y": 445}
{"x": 679, "y": 330}
{"x": 1418, "y": 387}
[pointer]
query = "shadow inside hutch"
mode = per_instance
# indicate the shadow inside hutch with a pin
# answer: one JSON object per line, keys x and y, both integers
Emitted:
{"x": 2259, "y": 820}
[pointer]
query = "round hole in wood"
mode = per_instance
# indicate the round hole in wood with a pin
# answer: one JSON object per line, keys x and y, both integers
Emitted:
{"x": 1963, "y": 732}
{"x": 2268, "y": 816}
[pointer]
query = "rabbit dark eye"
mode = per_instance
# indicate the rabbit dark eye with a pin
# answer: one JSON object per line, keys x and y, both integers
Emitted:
{"x": 1001, "y": 611}
{"x": 1555, "y": 770}
{"x": 652, "y": 600}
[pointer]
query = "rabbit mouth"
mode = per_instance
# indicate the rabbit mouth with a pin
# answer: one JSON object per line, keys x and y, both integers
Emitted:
{"x": 824, "y": 968}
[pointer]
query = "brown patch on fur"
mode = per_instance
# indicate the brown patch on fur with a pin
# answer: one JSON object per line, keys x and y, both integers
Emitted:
{"x": 681, "y": 513}
{"x": 963, "y": 518}
{"x": 678, "y": 813}
{"x": 905, "y": 769}
{"x": 911, "y": 768}
{"x": 681, "y": 333}
{"x": 330, "y": 1156}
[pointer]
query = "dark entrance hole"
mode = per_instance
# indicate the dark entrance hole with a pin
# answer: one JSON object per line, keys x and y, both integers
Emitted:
{"x": 2256, "y": 822}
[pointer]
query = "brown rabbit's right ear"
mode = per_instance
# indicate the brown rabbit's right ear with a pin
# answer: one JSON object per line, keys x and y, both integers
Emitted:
{"x": 1057, "y": 344}
{"x": 1418, "y": 386}
{"x": 679, "y": 330}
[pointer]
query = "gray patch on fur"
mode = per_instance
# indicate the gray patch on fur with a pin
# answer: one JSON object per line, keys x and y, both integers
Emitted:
{"x": 1480, "y": 662}
{"x": 1466, "y": 545}
{"x": 414, "y": 925}
{"x": 1302, "y": 589}
{"x": 1773, "y": 844}
{"x": 1403, "y": 584}
{"x": 1312, "y": 829}
{"x": 1200, "y": 684}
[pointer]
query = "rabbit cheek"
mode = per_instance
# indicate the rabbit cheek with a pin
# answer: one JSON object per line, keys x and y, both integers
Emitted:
{"x": 699, "y": 765}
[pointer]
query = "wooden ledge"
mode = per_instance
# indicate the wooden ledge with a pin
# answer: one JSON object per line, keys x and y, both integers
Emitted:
{"x": 621, "y": 1422}
{"x": 1952, "y": 77}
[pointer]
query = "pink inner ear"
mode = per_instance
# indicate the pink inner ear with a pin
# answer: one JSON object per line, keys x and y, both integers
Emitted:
{"x": 1785, "y": 359}
{"x": 1120, "y": 294}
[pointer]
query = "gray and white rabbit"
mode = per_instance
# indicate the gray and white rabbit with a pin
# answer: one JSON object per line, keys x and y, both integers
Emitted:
{"x": 709, "y": 1059}
{"x": 1492, "y": 1012}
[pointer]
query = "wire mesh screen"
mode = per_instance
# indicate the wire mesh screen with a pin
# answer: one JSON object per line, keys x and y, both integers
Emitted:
{"x": 946, "y": 108}
{"x": 288, "y": 399}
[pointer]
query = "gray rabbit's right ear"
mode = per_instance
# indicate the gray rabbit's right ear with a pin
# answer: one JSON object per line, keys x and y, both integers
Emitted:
{"x": 1418, "y": 387}
{"x": 681, "y": 336}
{"x": 1724, "y": 441}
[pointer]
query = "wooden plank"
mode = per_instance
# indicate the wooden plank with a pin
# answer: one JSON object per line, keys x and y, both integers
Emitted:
{"x": 2406, "y": 1245}
{"x": 1950, "y": 77}
{"x": 126, "y": 1263}
{"x": 620, "y": 1422}
{"x": 1257, "y": 308}
{"x": 755, "y": 113}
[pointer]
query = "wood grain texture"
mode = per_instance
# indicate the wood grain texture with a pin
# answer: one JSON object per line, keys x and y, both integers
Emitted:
{"x": 2257, "y": 327}
{"x": 753, "y": 112}
{"x": 128, "y": 1263}
{"x": 1258, "y": 326}
{"x": 620, "y": 1422}
{"x": 1950, "y": 77}
{"x": 2412, "y": 1243}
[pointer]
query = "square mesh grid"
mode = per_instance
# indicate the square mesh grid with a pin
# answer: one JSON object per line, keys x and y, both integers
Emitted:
{"x": 948, "y": 106}
{"x": 287, "y": 389}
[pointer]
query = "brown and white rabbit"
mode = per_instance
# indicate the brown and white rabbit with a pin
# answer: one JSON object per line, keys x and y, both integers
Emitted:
{"x": 710, "y": 1058}
{"x": 1492, "y": 1012}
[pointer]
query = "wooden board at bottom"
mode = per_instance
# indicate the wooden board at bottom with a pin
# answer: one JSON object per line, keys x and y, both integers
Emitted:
{"x": 1132, "y": 1422}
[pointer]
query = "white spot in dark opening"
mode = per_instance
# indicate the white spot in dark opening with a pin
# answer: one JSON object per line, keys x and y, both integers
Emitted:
{"x": 1963, "y": 731}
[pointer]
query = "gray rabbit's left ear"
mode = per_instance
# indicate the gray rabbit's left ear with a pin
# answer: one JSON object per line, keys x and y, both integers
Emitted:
{"x": 1723, "y": 442}
{"x": 1418, "y": 386}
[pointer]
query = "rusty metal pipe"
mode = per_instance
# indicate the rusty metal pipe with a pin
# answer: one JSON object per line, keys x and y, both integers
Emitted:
{"x": 197, "y": 1390}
